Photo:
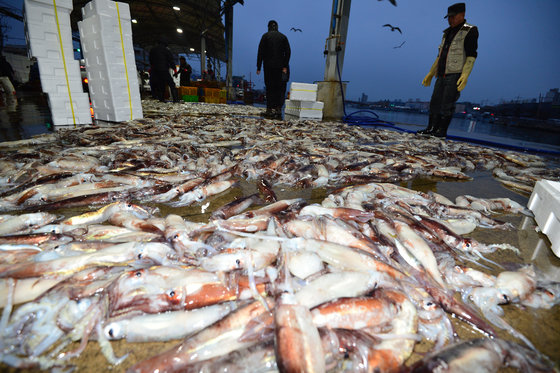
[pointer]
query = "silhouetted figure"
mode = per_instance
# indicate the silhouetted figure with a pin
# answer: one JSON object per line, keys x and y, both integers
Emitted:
{"x": 161, "y": 60}
{"x": 453, "y": 65}
{"x": 274, "y": 54}
{"x": 185, "y": 71}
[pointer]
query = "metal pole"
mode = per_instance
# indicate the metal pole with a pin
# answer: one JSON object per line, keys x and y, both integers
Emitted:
{"x": 330, "y": 91}
{"x": 336, "y": 42}
{"x": 229, "y": 50}
{"x": 202, "y": 52}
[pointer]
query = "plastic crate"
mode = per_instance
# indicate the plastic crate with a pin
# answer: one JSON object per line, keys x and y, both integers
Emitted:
{"x": 545, "y": 204}
{"x": 211, "y": 92}
{"x": 190, "y": 98}
{"x": 187, "y": 91}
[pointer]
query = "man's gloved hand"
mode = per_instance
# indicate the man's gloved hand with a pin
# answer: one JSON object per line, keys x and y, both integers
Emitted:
{"x": 467, "y": 68}
{"x": 428, "y": 79}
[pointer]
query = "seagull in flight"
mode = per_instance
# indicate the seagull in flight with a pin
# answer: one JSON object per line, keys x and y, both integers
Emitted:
{"x": 295, "y": 29}
{"x": 398, "y": 46}
{"x": 393, "y": 28}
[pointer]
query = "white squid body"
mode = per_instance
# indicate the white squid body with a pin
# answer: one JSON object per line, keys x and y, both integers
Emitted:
{"x": 166, "y": 326}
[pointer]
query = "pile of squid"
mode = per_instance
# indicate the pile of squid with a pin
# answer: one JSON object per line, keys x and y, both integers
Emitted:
{"x": 158, "y": 159}
{"x": 99, "y": 243}
{"x": 349, "y": 284}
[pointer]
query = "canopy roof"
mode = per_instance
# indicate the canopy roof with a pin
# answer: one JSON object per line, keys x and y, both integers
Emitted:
{"x": 158, "y": 18}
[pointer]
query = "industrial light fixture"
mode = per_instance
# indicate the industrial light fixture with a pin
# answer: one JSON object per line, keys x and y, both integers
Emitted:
{"x": 180, "y": 30}
{"x": 176, "y": 8}
{"x": 133, "y": 20}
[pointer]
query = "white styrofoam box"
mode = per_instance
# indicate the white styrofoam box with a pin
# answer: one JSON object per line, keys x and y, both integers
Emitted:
{"x": 45, "y": 31}
{"x": 61, "y": 110}
{"x": 303, "y": 91}
{"x": 121, "y": 114}
{"x": 113, "y": 78}
{"x": 55, "y": 69}
{"x": 58, "y": 85}
{"x": 41, "y": 14}
{"x": 106, "y": 8}
{"x": 545, "y": 204}
{"x": 64, "y": 4}
{"x": 304, "y": 109}
{"x": 49, "y": 47}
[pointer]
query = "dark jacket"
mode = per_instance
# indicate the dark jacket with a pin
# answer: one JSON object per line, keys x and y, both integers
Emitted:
{"x": 274, "y": 50}
{"x": 161, "y": 58}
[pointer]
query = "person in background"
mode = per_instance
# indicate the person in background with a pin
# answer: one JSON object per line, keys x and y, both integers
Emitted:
{"x": 6, "y": 69}
{"x": 274, "y": 54}
{"x": 7, "y": 79}
{"x": 452, "y": 67}
{"x": 185, "y": 71}
{"x": 161, "y": 60}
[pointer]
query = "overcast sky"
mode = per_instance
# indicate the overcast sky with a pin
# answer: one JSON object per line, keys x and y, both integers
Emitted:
{"x": 519, "y": 45}
{"x": 518, "y": 49}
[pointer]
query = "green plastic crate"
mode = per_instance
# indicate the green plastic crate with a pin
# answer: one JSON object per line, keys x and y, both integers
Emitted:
{"x": 190, "y": 98}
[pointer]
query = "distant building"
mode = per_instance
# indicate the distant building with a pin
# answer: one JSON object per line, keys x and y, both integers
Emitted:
{"x": 552, "y": 96}
{"x": 364, "y": 98}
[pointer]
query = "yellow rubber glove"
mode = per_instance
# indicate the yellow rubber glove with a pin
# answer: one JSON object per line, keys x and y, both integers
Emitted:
{"x": 467, "y": 68}
{"x": 428, "y": 79}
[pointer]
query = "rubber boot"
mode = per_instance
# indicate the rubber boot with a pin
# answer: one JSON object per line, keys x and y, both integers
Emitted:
{"x": 175, "y": 95}
{"x": 278, "y": 113}
{"x": 443, "y": 124}
{"x": 267, "y": 113}
{"x": 432, "y": 124}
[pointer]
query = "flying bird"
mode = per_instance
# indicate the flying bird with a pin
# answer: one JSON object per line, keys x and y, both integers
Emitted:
{"x": 393, "y": 28}
{"x": 295, "y": 29}
{"x": 398, "y": 46}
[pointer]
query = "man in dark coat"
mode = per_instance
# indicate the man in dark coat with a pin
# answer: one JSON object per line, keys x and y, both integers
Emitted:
{"x": 161, "y": 60}
{"x": 185, "y": 71}
{"x": 274, "y": 54}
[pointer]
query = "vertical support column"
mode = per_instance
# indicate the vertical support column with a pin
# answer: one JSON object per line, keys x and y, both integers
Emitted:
{"x": 229, "y": 50}
{"x": 329, "y": 91}
{"x": 203, "y": 52}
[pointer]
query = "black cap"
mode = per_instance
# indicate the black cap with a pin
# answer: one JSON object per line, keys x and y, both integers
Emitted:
{"x": 455, "y": 9}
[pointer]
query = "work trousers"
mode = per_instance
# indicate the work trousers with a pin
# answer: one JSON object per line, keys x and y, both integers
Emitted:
{"x": 445, "y": 95}
{"x": 160, "y": 80}
{"x": 275, "y": 88}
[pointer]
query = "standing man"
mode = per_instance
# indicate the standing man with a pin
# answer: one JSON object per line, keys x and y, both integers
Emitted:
{"x": 185, "y": 71}
{"x": 453, "y": 65}
{"x": 161, "y": 60}
{"x": 274, "y": 53}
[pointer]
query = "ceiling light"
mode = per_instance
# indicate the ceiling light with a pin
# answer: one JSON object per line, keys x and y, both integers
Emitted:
{"x": 133, "y": 21}
{"x": 192, "y": 49}
{"x": 176, "y": 8}
{"x": 180, "y": 30}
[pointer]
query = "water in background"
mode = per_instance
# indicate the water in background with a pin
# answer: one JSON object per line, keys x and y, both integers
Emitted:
{"x": 30, "y": 116}
{"x": 538, "y": 139}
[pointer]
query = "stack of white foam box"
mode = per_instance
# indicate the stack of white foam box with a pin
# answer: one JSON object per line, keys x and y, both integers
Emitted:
{"x": 545, "y": 204}
{"x": 303, "y": 102}
{"x": 106, "y": 37}
{"x": 49, "y": 39}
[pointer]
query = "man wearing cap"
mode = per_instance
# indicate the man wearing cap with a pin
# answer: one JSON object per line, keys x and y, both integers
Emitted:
{"x": 452, "y": 67}
{"x": 274, "y": 54}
